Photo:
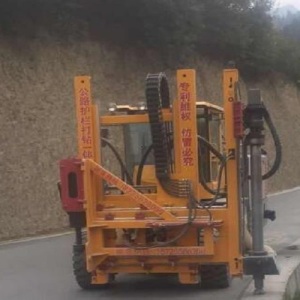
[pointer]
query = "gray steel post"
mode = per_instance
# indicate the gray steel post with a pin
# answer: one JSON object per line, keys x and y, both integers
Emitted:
{"x": 257, "y": 212}
{"x": 258, "y": 263}
{"x": 256, "y": 140}
{"x": 257, "y": 201}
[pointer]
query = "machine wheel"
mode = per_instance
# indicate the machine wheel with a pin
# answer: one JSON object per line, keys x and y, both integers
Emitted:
{"x": 82, "y": 276}
{"x": 215, "y": 276}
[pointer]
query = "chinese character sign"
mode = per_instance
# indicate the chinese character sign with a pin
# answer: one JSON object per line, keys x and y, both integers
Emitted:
{"x": 185, "y": 114}
{"x": 84, "y": 117}
{"x": 187, "y": 153}
{"x": 185, "y": 101}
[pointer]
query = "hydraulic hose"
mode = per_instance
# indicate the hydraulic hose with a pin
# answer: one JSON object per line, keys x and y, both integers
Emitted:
{"x": 218, "y": 194}
{"x": 118, "y": 157}
{"x": 277, "y": 143}
{"x": 202, "y": 179}
{"x": 221, "y": 158}
{"x": 157, "y": 97}
{"x": 191, "y": 217}
{"x": 141, "y": 165}
{"x": 144, "y": 159}
{"x": 211, "y": 147}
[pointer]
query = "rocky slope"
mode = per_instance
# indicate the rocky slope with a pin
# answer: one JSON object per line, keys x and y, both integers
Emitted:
{"x": 37, "y": 117}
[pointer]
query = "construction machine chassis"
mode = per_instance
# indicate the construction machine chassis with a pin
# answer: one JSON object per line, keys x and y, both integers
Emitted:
{"x": 172, "y": 216}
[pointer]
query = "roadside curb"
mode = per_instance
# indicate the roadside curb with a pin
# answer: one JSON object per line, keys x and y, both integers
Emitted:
{"x": 295, "y": 189}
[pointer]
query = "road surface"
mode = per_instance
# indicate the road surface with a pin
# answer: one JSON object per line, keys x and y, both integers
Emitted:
{"x": 42, "y": 269}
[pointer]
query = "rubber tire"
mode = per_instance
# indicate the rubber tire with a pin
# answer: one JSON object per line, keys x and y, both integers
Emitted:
{"x": 82, "y": 276}
{"x": 215, "y": 276}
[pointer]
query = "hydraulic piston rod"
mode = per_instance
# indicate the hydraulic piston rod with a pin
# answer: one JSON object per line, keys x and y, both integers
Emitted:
{"x": 258, "y": 263}
{"x": 256, "y": 140}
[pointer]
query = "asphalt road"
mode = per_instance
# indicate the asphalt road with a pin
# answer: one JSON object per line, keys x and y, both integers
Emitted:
{"x": 42, "y": 269}
{"x": 285, "y": 230}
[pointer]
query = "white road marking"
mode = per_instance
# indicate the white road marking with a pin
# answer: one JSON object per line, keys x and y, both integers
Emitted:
{"x": 30, "y": 239}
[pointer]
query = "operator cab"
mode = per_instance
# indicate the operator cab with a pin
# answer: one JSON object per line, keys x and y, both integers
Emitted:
{"x": 133, "y": 141}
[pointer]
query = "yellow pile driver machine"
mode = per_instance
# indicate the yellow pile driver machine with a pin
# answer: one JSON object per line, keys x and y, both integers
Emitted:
{"x": 187, "y": 198}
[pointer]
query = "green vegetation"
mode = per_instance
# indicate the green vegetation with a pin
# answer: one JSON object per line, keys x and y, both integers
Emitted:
{"x": 240, "y": 30}
{"x": 288, "y": 47}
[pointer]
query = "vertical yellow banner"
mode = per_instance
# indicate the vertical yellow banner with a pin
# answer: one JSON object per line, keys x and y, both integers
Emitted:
{"x": 96, "y": 137}
{"x": 230, "y": 81}
{"x": 84, "y": 113}
{"x": 185, "y": 125}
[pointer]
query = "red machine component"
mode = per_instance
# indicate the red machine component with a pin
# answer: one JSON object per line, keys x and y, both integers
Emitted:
{"x": 71, "y": 179}
{"x": 238, "y": 125}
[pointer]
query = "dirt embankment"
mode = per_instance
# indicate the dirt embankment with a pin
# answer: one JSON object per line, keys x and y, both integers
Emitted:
{"x": 37, "y": 116}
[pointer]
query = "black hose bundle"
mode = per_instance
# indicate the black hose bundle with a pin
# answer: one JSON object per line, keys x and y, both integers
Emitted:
{"x": 276, "y": 140}
{"x": 277, "y": 143}
{"x": 124, "y": 170}
{"x": 222, "y": 159}
{"x": 157, "y": 97}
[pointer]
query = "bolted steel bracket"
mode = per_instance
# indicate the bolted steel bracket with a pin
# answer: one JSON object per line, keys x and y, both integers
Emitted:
{"x": 260, "y": 265}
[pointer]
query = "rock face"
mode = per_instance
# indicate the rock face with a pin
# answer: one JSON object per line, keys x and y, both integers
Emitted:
{"x": 37, "y": 116}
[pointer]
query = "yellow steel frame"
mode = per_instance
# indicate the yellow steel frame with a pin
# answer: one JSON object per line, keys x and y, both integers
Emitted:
{"x": 106, "y": 214}
{"x": 230, "y": 81}
{"x": 87, "y": 120}
{"x": 185, "y": 129}
{"x": 123, "y": 119}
